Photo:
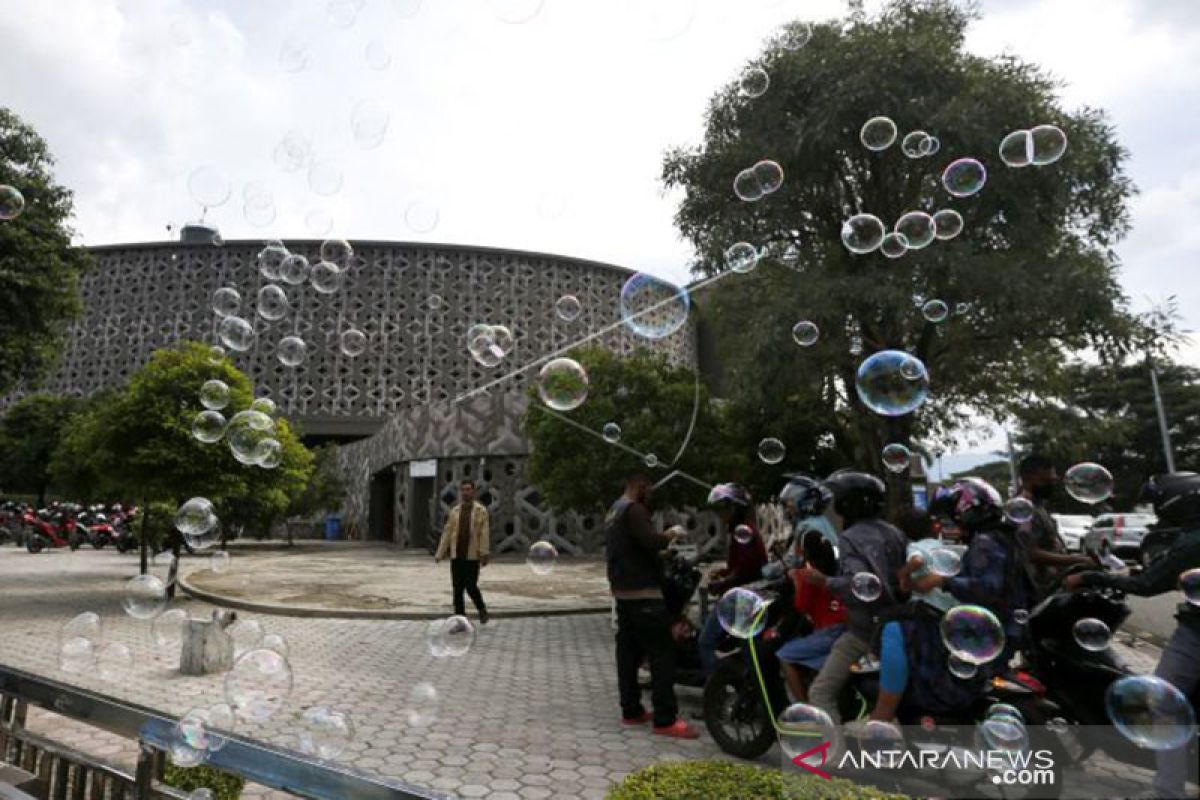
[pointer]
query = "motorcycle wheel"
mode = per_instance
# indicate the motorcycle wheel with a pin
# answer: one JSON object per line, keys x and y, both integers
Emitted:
{"x": 34, "y": 544}
{"x": 734, "y": 712}
{"x": 75, "y": 543}
{"x": 98, "y": 543}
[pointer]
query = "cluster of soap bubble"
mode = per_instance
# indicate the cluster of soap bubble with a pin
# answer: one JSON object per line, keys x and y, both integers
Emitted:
{"x": 489, "y": 344}
{"x": 919, "y": 144}
{"x": 200, "y": 732}
{"x": 1038, "y": 146}
{"x": 758, "y": 181}
{"x": 914, "y": 230}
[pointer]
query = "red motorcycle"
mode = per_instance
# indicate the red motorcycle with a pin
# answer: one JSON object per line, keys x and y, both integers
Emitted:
{"x": 51, "y": 529}
{"x": 96, "y": 527}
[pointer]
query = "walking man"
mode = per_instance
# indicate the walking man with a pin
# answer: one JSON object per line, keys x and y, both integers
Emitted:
{"x": 635, "y": 575}
{"x": 466, "y": 540}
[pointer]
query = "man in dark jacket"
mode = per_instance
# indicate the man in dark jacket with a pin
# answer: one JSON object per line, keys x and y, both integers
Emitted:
{"x": 635, "y": 576}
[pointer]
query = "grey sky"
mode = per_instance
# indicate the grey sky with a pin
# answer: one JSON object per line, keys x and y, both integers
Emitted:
{"x": 546, "y": 135}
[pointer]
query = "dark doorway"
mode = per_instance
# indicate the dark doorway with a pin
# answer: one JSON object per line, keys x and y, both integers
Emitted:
{"x": 421, "y": 532}
{"x": 382, "y": 523}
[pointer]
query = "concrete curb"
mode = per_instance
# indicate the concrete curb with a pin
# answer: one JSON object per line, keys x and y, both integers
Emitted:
{"x": 367, "y": 613}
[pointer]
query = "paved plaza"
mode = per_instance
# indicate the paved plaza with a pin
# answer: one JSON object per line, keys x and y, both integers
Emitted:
{"x": 529, "y": 713}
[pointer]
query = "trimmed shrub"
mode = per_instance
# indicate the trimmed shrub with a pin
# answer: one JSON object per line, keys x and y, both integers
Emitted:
{"x": 224, "y": 785}
{"x": 717, "y": 780}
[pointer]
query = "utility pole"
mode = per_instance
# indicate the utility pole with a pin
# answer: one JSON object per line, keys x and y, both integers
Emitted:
{"x": 1014, "y": 486}
{"x": 1163, "y": 429}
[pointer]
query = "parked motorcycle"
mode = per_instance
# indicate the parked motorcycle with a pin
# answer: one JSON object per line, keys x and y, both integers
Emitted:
{"x": 97, "y": 529}
{"x": 51, "y": 528}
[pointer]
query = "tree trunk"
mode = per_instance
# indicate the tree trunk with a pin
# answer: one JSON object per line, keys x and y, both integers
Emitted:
{"x": 142, "y": 546}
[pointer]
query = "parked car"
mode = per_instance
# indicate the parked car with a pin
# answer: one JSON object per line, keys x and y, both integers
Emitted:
{"x": 1072, "y": 528}
{"x": 1157, "y": 542}
{"x": 1121, "y": 534}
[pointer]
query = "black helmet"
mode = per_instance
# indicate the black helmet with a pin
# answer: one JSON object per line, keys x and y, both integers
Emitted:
{"x": 972, "y": 503}
{"x": 1176, "y": 497}
{"x": 726, "y": 495}
{"x": 856, "y": 495}
{"x": 804, "y": 496}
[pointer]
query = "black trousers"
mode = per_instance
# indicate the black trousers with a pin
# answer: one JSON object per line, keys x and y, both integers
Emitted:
{"x": 644, "y": 630}
{"x": 464, "y": 576}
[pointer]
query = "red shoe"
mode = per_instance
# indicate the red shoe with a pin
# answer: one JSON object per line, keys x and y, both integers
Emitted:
{"x": 645, "y": 717}
{"x": 678, "y": 730}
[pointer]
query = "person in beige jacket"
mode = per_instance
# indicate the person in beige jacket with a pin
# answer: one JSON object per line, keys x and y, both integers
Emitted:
{"x": 466, "y": 540}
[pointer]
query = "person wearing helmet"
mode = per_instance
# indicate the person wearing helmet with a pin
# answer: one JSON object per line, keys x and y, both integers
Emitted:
{"x": 867, "y": 544}
{"x": 913, "y": 654}
{"x": 803, "y": 656}
{"x": 804, "y": 502}
{"x": 1176, "y": 500}
{"x": 743, "y": 562}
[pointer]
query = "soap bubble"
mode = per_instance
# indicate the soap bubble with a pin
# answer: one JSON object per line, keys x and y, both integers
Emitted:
{"x": 421, "y": 217}
{"x": 802, "y": 727}
{"x": 258, "y": 685}
{"x": 318, "y": 221}
{"x": 612, "y": 432}
{"x": 422, "y": 705}
{"x": 935, "y": 311}
{"x": 892, "y": 383}
{"x": 771, "y": 450}
{"x": 964, "y": 177}
{"x": 1189, "y": 584}
{"x": 866, "y": 586}
{"x": 743, "y": 534}
{"x": 325, "y": 178}
{"x": 653, "y": 308}
{"x": 878, "y": 133}
{"x": 264, "y": 405}
{"x": 214, "y": 394}
{"x": 563, "y": 384}
{"x": 862, "y": 233}
{"x": 1092, "y": 634}
{"x": 542, "y": 558}
{"x": 1150, "y": 712}
{"x": 651, "y": 460}
{"x": 455, "y": 636}
{"x": 741, "y": 257}
{"x": 337, "y": 251}
{"x": 167, "y": 629}
{"x": 1018, "y": 510}
{"x": 896, "y": 457}
{"x": 568, "y": 308}
{"x": 326, "y": 277}
{"x": 353, "y": 342}
{"x": 515, "y": 12}
{"x": 12, "y": 202}
{"x": 769, "y": 175}
{"x": 192, "y": 729}
{"x": 247, "y": 635}
{"x": 948, "y": 222}
{"x": 917, "y": 228}
{"x": 741, "y": 612}
{"x": 1048, "y": 143}
{"x": 236, "y": 333}
{"x": 433, "y": 638}
{"x": 145, "y": 597}
{"x": 894, "y": 245}
{"x": 226, "y": 301}
{"x": 293, "y": 151}
{"x": 1021, "y": 616}
{"x": 87, "y": 625}
{"x": 268, "y": 453}
{"x": 945, "y": 562}
{"x": 972, "y": 633}
{"x": 275, "y": 643}
{"x": 184, "y": 756}
{"x": 77, "y": 656}
{"x": 805, "y": 333}
{"x": 377, "y": 55}
{"x": 913, "y": 145}
{"x": 797, "y": 36}
{"x": 294, "y": 269}
{"x": 219, "y": 561}
{"x": 244, "y": 438}
{"x": 754, "y": 82}
{"x": 195, "y": 517}
{"x": 270, "y": 259}
{"x": 1016, "y": 149}
{"x": 931, "y": 145}
{"x": 964, "y": 670}
{"x": 1004, "y": 734}
{"x": 1004, "y": 711}
{"x": 291, "y": 351}
{"x": 1089, "y": 483}
{"x": 747, "y": 186}
{"x": 209, "y": 186}
{"x": 324, "y": 732}
{"x": 369, "y": 125}
{"x": 216, "y": 355}
{"x": 208, "y": 426}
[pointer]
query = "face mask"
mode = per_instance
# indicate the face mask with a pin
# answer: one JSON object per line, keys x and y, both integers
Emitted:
{"x": 1044, "y": 491}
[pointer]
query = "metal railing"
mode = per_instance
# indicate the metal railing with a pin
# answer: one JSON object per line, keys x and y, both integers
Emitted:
{"x": 65, "y": 773}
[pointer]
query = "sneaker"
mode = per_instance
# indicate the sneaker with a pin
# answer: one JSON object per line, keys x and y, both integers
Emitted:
{"x": 641, "y": 719}
{"x": 678, "y": 730}
{"x": 483, "y": 617}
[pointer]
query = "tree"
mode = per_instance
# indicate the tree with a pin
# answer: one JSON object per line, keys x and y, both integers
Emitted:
{"x": 39, "y": 269}
{"x": 652, "y": 402}
{"x": 326, "y": 488}
{"x": 997, "y": 473}
{"x": 140, "y": 443}
{"x": 1033, "y": 267}
{"x": 29, "y": 434}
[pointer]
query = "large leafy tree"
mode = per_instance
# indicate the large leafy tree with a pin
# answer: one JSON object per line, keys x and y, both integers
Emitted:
{"x": 39, "y": 269}
{"x": 1033, "y": 268}
{"x": 29, "y": 434}
{"x": 652, "y": 402}
{"x": 139, "y": 443}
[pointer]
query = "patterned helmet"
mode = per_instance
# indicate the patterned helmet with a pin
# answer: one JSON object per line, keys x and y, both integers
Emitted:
{"x": 973, "y": 504}
{"x": 728, "y": 494}
{"x": 804, "y": 496}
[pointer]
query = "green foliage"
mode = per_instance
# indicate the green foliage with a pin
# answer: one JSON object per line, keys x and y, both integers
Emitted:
{"x": 997, "y": 473}
{"x": 224, "y": 785}
{"x": 703, "y": 780}
{"x": 1034, "y": 263}
{"x": 1106, "y": 414}
{"x": 326, "y": 488}
{"x": 39, "y": 269}
{"x": 29, "y": 434}
{"x": 652, "y": 402}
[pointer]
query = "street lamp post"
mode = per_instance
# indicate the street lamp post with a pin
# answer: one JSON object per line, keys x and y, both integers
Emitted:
{"x": 1162, "y": 415}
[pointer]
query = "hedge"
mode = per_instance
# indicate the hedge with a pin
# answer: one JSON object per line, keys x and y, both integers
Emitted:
{"x": 717, "y": 780}
{"x": 223, "y": 785}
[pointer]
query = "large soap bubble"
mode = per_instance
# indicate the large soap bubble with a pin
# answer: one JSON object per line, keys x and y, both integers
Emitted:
{"x": 1048, "y": 143}
{"x": 291, "y": 351}
{"x": 653, "y": 308}
{"x": 878, "y": 133}
{"x": 353, "y": 342}
{"x": 214, "y": 394}
{"x": 896, "y": 457}
{"x": 258, "y": 685}
{"x": 949, "y": 223}
{"x": 326, "y": 277}
{"x": 754, "y": 82}
{"x": 568, "y": 308}
{"x": 1016, "y": 149}
{"x": 454, "y": 637}
{"x": 270, "y": 260}
{"x": 422, "y": 706}
{"x": 167, "y": 630}
{"x": 741, "y": 257}
{"x": 892, "y": 383}
{"x": 803, "y": 727}
{"x": 325, "y": 732}
{"x": 771, "y": 450}
{"x": 918, "y": 229}
{"x": 1092, "y": 634}
{"x": 862, "y": 233}
{"x": 866, "y": 587}
{"x": 894, "y": 245}
{"x": 964, "y": 177}
{"x": 935, "y": 311}
{"x": 195, "y": 517}
{"x": 236, "y": 333}
{"x": 1150, "y": 712}
{"x": 226, "y": 301}
{"x": 208, "y": 426}
{"x": 145, "y": 597}
{"x": 272, "y": 302}
{"x": 563, "y": 384}
{"x": 972, "y": 633}
{"x": 542, "y": 556}
{"x": 806, "y": 333}
{"x": 12, "y": 202}
{"x": 742, "y": 612}
{"x": 1018, "y": 510}
{"x": 1089, "y": 483}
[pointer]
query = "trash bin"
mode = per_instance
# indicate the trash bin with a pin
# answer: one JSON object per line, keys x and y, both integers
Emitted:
{"x": 333, "y": 527}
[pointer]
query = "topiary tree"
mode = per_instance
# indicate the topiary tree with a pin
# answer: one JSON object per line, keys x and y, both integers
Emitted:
{"x": 1033, "y": 269}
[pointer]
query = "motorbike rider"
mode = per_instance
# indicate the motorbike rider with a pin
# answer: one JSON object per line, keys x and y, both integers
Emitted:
{"x": 866, "y": 544}
{"x": 1176, "y": 500}
{"x": 804, "y": 502}
{"x": 743, "y": 564}
{"x": 1047, "y": 554}
{"x": 803, "y": 656}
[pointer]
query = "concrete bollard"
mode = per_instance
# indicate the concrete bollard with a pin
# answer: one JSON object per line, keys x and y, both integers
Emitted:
{"x": 207, "y": 648}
